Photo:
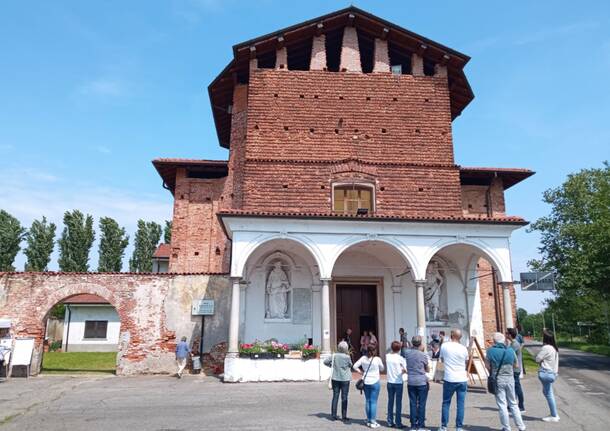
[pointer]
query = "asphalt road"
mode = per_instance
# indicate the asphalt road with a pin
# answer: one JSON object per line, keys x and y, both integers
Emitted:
{"x": 586, "y": 373}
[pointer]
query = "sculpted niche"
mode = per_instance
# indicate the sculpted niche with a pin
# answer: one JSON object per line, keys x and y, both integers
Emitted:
{"x": 277, "y": 293}
{"x": 435, "y": 293}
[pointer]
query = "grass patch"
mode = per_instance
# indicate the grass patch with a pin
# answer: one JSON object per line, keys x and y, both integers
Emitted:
{"x": 531, "y": 367}
{"x": 591, "y": 348}
{"x": 79, "y": 362}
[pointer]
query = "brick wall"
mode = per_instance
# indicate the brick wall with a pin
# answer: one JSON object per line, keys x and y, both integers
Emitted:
{"x": 154, "y": 310}
{"x": 399, "y": 190}
{"x": 326, "y": 116}
{"x": 477, "y": 198}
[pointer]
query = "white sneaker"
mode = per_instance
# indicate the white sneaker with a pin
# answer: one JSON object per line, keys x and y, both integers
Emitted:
{"x": 375, "y": 425}
{"x": 442, "y": 429}
{"x": 551, "y": 419}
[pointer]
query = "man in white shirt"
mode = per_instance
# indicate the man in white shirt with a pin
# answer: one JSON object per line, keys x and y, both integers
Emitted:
{"x": 396, "y": 367}
{"x": 455, "y": 359}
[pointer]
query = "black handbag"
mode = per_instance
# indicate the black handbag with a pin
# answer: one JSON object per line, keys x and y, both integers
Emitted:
{"x": 360, "y": 382}
{"x": 492, "y": 381}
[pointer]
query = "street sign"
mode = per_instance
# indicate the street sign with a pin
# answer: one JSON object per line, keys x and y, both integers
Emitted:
{"x": 585, "y": 324}
{"x": 541, "y": 280}
{"x": 203, "y": 307}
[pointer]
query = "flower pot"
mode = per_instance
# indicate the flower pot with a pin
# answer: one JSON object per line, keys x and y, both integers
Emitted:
{"x": 244, "y": 355}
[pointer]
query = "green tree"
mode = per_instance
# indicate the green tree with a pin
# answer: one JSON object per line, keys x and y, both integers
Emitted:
{"x": 575, "y": 237}
{"x": 113, "y": 241}
{"x": 75, "y": 242}
{"x": 146, "y": 240}
{"x": 41, "y": 240}
{"x": 11, "y": 235}
{"x": 167, "y": 232}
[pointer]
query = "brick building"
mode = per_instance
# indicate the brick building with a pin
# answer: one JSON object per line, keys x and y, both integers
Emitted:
{"x": 341, "y": 204}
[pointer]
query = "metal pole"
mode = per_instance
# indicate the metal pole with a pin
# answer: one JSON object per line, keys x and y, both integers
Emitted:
{"x": 201, "y": 339}
{"x": 553, "y": 321}
{"x": 543, "y": 322}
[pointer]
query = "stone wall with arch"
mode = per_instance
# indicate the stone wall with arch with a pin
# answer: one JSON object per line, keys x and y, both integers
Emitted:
{"x": 154, "y": 309}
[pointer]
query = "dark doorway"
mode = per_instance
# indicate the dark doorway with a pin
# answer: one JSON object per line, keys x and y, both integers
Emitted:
{"x": 357, "y": 310}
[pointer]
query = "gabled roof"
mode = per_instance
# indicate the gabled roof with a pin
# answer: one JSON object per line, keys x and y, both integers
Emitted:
{"x": 163, "y": 251}
{"x": 167, "y": 169}
{"x": 509, "y": 176}
{"x": 221, "y": 89}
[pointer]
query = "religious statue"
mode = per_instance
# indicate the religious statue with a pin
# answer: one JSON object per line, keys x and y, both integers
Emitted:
{"x": 277, "y": 289}
{"x": 432, "y": 292}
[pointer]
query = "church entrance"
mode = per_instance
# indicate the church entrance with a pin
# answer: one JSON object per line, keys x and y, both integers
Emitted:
{"x": 356, "y": 310}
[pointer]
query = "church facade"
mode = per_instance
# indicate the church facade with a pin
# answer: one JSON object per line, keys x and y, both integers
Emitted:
{"x": 341, "y": 205}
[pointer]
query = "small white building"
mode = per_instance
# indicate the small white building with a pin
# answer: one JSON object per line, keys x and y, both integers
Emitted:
{"x": 160, "y": 260}
{"x": 91, "y": 325}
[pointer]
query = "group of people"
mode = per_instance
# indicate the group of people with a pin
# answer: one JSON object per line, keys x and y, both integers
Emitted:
{"x": 407, "y": 361}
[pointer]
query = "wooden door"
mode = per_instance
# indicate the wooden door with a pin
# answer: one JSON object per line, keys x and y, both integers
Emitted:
{"x": 357, "y": 310}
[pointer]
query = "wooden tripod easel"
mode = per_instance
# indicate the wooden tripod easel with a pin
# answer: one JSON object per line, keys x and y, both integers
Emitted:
{"x": 476, "y": 362}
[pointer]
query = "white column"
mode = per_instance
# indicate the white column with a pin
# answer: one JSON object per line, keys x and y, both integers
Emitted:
{"x": 421, "y": 307}
{"x": 316, "y": 318}
{"x": 397, "y": 300}
{"x": 325, "y": 316}
{"x": 233, "y": 348}
{"x": 508, "y": 306}
{"x": 242, "y": 309}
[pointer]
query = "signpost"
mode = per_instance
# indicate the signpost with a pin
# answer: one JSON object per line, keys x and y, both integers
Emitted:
{"x": 202, "y": 307}
{"x": 541, "y": 280}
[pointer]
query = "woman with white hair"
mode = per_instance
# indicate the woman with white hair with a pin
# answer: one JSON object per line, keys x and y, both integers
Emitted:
{"x": 341, "y": 375}
{"x": 500, "y": 362}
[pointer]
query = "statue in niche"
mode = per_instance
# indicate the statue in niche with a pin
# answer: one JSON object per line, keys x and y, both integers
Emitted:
{"x": 277, "y": 290}
{"x": 433, "y": 293}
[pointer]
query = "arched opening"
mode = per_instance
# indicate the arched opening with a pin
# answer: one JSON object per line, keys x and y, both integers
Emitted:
{"x": 371, "y": 288}
{"x": 279, "y": 299}
{"x": 462, "y": 290}
{"x": 81, "y": 334}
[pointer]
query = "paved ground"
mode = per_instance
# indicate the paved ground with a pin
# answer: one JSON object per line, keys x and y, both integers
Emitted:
{"x": 204, "y": 403}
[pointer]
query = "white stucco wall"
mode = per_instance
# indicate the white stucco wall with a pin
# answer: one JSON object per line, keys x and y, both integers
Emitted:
{"x": 75, "y": 335}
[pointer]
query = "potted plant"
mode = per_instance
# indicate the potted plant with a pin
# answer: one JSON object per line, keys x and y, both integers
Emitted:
{"x": 250, "y": 350}
{"x": 277, "y": 350}
{"x": 309, "y": 351}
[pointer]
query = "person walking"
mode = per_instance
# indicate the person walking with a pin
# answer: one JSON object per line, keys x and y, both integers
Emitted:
{"x": 396, "y": 367}
{"x": 417, "y": 385}
{"x": 511, "y": 335}
{"x": 370, "y": 366}
{"x": 455, "y": 359}
{"x": 373, "y": 339}
{"x": 404, "y": 341}
{"x": 501, "y": 360}
{"x": 364, "y": 342}
{"x": 548, "y": 360}
{"x": 182, "y": 353}
{"x": 341, "y": 375}
{"x": 347, "y": 337}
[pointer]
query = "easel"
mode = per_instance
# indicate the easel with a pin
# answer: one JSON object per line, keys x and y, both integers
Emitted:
{"x": 476, "y": 361}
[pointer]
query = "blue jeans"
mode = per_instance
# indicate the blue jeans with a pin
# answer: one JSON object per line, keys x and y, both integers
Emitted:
{"x": 395, "y": 394}
{"x": 519, "y": 390}
{"x": 547, "y": 378}
{"x": 371, "y": 394}
{"x": 418, "y": 395}
{"x": 449, "y": 389}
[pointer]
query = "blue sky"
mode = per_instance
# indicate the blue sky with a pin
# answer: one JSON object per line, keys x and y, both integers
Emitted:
{"x": 91, "y": 92}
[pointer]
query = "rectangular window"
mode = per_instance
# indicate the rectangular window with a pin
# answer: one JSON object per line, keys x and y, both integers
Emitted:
{"x": 96, "y": 328}
{"x": 350, "y": 198}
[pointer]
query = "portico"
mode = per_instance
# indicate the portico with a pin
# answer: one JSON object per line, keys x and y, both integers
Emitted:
{"x": 423, "y": 274}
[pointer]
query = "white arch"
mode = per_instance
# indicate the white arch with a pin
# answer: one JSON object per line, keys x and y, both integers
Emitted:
{"x": 502, "y": 265}
{"x": 241, "y": 255}
{"x": 403, "y": 251}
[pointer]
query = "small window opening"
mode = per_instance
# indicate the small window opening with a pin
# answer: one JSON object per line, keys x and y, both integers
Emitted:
{"x": 299, "y": 54}
{"x": 366, "y": 45}
{"x": 285, "y": 127}
{"x": 275, "y": 95}
{"x": 334, "y": 38}
{"x": 368, "y": 98}
{"x": 383, "y": 131}
{"x": 428, "y": 68}
{"x": 266, "y": 60}
{"x": 311, "y": 130}
{"x": 217, "y": 251}
{"x": 395, "y": 99}
{"x": 285, "y": 186}
{"x": 96, "y": 329}
{"x": 353, "y": 199}
{"x": 382, "y": 188}
{"x": 196, "y": 253}
{"x": 400, "y": 59}
{"x": 301, "y": 96}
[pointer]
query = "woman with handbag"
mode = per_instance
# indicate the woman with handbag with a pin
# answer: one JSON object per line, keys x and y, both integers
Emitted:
{"x": 548, "y": 359}
{"x": 370, "y": 367}
{"x": 341, "y": 375}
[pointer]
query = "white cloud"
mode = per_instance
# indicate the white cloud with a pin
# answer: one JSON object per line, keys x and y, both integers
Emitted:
{"x": 102, "y": 149}
{"x": 104, "y": 88}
